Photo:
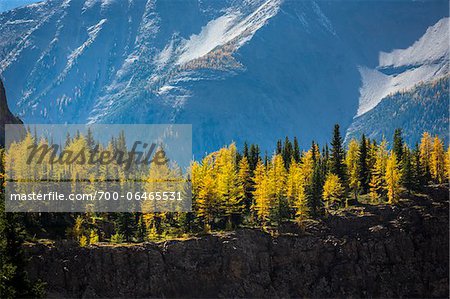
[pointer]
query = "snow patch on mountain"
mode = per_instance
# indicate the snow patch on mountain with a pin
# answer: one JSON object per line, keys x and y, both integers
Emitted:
{"x": 225, "y": 29}
{"x": 18, "y": 22}
{"x": 402, "y": 69}
{"x": 93, "y": 32}
{"x": 377, "y": 85}
{"x": 211, "y": 36}
{"x": 431, "y": 47}
{"x": 164, "y": 56}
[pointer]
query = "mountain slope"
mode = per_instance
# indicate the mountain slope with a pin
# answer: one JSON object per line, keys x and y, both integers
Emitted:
{"x": 409, "y": 90}
{"x": 254, "y": 70}
{"x": 426, "y": 60}
{"x": 422, "y": 108}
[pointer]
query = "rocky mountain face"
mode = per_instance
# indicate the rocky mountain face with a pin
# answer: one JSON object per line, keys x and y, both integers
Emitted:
{"x": 6, "y": 117}
{"x": 371, "y": 251}
{"x": 254, "y": 70}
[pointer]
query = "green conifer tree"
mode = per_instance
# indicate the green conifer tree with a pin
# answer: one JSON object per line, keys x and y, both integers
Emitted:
{"x": 398, "y": 144}
{"x": 337, "y": 165}
{"x": 296, "y": 151}
{"x": 364, "y": 169}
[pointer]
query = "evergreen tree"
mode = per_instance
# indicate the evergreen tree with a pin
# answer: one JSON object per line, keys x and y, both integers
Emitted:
{"x": 363, "y": 166}
{"x": 287, "y": 152}
{"x": 279, "y": 148}
{"x": 296, "y": 151}
{"x": 266, "y": 159}
{"x": 337, "y": 165}
{"x": 245, "y": 180}
{"x": 125, "y": 225}
{"x": 254, "y": 156}
{"x": 315, "y": 151}
{"x": 141, "y": 231}
{"x": 245, "y": 151}
{"x": 407, "y": 170}
{"x": 398, "y": 144}
{"x": 326, "y": 160}
{"x": 426, "y": 148}
{"x": 90, "y": 139}
{"x": 418, "y": 169}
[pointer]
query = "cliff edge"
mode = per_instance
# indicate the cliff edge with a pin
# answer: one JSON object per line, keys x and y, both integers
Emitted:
{"x": 6, "y": 117}
{"x": 368, "y": 251}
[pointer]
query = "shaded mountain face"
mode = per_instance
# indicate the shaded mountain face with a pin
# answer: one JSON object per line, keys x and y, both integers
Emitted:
{"x": 6, "y": 117}
{"x": 236, "y": 70}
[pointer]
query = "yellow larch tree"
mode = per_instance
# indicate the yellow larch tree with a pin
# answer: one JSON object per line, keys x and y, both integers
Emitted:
{"x": 231, "y": 193}
{"x": 158, "y": 180}
{"x": 392, "y": 178}
{"x": 277, "y": 176}
{"x": 78, "y": 168}
{"x": 207, "y": 202}
{"x": 447, "y": 163}
{"x": 333, "y": 191}
{"x": 245, "y": 180}
{"x": 305, "y": 175}
{"x": 426, "y": 148}
{"x": 293, "y": 182}
{"x": 352, "y": 162}
{"x": 261, "y": 205}
{"x": 437, "y": 165}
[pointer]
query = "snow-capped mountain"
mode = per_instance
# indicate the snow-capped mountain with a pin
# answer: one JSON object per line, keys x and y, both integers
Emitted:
{"x": 426, "y": 60}
{"x": 254, "y": 70}
{"x": 405, "y": 71}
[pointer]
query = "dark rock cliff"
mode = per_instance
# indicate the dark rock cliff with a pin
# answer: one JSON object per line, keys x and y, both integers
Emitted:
{"x": 372, "y": 251}
{"x": 6, "y": 117}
